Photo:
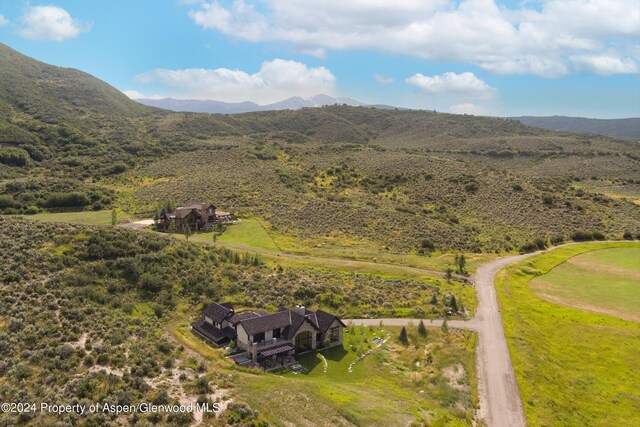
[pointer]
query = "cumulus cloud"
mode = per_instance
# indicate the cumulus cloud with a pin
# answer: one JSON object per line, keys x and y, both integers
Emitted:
{"x": 50, "y": 23}
{"x": 468, "y": 108}
{"x": 463, "y": 85}
{"x": 276, "y": 80}
{"x": 604, "y": 64}
{"x": 382, "y": 79}
{"x": 3, "y": 21}
{"x": 526, "y": 40}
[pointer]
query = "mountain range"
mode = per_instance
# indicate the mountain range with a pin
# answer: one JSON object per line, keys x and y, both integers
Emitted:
{"x": 220, "y": 107}
{"x": 628, "y": 128}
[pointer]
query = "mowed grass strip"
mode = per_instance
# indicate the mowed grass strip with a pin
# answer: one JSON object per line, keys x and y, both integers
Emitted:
{"x": 605, "y": 281}
{"x": 573, "y": 367}
{"x": 247, "y": 232}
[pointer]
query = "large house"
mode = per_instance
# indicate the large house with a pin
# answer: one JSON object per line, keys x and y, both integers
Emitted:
{"x": 270, "y": 339}
{"x": 197, "y": 216}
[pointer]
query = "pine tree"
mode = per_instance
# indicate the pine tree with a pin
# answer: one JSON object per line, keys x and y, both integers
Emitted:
{"x": 114, "y": 216}
{"x": 434, "y": 299}
{"x": 453, "y": 304}
{"x": 403, "y": 337}
{"x": 187, "y": 231}
{"x": 421, "y": 329}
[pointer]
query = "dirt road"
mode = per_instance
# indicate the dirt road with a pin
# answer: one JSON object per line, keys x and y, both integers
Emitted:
{"x": 500, "y": 404}
{"x": 141, "y": 225}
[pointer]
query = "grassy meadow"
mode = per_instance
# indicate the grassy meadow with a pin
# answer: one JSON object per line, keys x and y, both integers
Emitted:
{"x": 431, "y": 381}
{"x": 102, "y": 217}
{"x": 573, "y": 367}
{"x": 605, "y": 281}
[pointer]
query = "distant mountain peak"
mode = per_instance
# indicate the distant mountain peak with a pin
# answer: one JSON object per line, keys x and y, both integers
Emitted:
{"x": 220, "y": 107}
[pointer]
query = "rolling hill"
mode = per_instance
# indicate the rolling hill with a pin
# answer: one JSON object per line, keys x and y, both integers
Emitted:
{"x": 618, "y": 128}
{"x": 337, "y": 176}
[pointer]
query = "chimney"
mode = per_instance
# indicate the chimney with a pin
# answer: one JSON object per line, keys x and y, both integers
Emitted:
{"x": 300, "y": 309}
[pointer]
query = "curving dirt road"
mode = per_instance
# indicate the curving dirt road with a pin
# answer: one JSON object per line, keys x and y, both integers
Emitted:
{"x": 500, "y": 404}
{"x": 141, "y": 225}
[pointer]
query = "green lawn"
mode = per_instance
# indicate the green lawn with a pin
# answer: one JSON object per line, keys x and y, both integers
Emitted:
{"x": 394, "y": 385}
{"x": 606, "y": 281}
{"x": 84, "y": 217}
{"x": 246, "y": 232}
{"x": 573, "y": 367}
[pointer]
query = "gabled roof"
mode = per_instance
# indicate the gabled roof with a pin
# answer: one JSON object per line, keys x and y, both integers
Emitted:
{"x": 269, "y": 322}
{"x": 297, "y": 320}
{"x": 185, "y": 212}
{"x": 218, "y": 312}
{"x": 324, "y": 320}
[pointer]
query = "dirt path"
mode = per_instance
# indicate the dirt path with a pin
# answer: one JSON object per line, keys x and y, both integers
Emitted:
{"x": 140, "y": 225}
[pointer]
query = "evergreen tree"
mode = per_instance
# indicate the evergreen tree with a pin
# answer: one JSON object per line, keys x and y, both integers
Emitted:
{"x": 453, "y": 304}
{"x": 187, "y": 231}
{"x": 421, "y": 329}
{"x": 434, "y": 299}
{"x": 449, "y": 274}
{"x": 445, "y": 326}
{"x": 114, "y": 216}
{"x": 461, "y": 263}
{"x": 403, "y": 337}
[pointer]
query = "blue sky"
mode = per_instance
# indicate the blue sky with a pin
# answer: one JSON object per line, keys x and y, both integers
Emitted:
{"x": 506, "y": 58}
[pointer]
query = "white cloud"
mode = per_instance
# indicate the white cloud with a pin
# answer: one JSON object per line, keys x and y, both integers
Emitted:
{"x": 605, "y": 65}
{"x": 468, "y": 108}
{"x": 463, "y": 85}
{"x": 3, "y": 21}
{"x": 526, "y": 40}
{"x": 382, "y": 79}
{"x": 50, "y": 23}
{"x": 276, "y": 80}
{"x": 134, "y": 94}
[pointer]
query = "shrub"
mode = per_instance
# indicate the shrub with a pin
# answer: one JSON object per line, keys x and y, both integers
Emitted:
{"x": 13, "y": 156}
{"x": 63, "y": 200}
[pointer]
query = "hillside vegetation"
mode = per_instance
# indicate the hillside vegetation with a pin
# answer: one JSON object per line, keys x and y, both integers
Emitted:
{"x": 617, "y": 128}
{"x": 397, "y": 181}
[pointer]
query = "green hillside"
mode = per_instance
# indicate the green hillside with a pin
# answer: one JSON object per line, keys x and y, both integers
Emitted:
{"x": 394, "y": 181}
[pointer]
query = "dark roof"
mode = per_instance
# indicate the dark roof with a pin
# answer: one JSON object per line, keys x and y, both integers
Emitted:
{"x": 258, "y": 321}
{"x": 297, "y": 320}
{"x": 185, "y": 212}
{"x": 212, "y": 333}
{"x": 218, "y": 312}
{"x": 244, "y": 315}
{"x": 269, "y": 322}
{"x": 324, "y": 320}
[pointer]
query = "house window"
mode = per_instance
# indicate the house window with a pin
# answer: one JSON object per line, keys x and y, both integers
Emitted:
{"x": 276, "y": 333}
{"x": 334, "y": 334}
{"x": 303, "y": 341}
{"x": 258, "y": 337}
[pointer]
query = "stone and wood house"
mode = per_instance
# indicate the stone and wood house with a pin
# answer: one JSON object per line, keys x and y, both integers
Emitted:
{"x": 197, "y": 216}
{"x": 270, "y": 339}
